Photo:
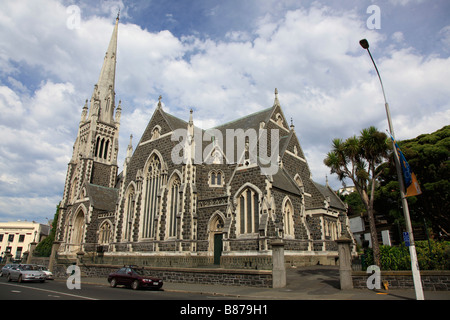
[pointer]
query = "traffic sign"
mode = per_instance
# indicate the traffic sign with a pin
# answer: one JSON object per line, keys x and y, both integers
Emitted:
{"x": 406, "y": 239}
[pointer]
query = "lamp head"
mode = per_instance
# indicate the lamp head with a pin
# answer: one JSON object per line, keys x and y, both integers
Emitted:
{"x": 364, "y": 43}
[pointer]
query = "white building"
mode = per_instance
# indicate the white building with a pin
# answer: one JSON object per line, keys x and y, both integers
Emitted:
{"x": 16, "y": 236}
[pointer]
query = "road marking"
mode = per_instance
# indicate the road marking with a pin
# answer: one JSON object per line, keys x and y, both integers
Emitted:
{"x": 50, "y": 291}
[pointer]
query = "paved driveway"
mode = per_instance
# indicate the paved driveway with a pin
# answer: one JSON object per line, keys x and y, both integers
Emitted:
{"x": 313, "y": 280}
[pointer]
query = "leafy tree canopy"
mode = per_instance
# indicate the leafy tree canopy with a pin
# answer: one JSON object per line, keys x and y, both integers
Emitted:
{"x": 429, "y": 158}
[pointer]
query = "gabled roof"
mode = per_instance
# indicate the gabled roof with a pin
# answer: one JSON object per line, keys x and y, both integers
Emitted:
{"x": 282, "y": 180}
{"x": 102, "y": 198}
{"x": 173, "y": 122}
{"x": 326, "y": 191}
{"x": 251, "y": 121}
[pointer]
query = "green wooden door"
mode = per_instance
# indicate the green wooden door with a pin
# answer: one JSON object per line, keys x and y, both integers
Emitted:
{"x": 217, "y": 247}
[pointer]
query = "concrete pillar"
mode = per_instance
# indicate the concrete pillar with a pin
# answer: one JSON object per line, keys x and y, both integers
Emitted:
{"x": 80, "y": 255}
{"x": 8, "y": 257}
{"x": 30, "y": 253}
{"x": 52, "y": 262}
{"x": 278, "y": 269}
{"x": 345, "y": 263}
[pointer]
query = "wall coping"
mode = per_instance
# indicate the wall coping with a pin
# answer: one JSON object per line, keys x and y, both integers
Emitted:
{"x": 192, "y": 270}
{"x": 406, "y": 273}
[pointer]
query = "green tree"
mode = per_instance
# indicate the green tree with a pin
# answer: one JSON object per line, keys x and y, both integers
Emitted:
{"x": 355, "y": 205}
{"x": 44, "y": 248}
{"x": 429, "y": 158}
{"x": 359, "y": 159}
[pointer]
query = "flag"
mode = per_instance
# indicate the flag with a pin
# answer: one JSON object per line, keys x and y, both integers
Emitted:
{"x": 411, "y": 185}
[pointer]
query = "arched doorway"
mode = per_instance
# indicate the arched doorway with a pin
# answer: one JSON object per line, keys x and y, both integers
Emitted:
{"x": 77, "y": 231}
{"x": 215, "y": 229}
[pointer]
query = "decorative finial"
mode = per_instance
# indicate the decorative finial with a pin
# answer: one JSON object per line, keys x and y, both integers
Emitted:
{"x": 276, "y": 102}
{"x": 159, "y": 101}
{"x": 118, "y": 14}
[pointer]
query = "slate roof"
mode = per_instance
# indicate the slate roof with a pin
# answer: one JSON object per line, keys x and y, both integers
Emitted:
{"x": 326, "y": 191}
{"x": 102, "y": 198}
{"x": 282, "y": 180}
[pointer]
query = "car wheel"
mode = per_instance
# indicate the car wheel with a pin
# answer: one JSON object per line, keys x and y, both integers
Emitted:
{"x": 113, "y": 283}
{"x": 20, "y": 279}
{"x": 9, "y": 278}
{"x": 135, "y": 285}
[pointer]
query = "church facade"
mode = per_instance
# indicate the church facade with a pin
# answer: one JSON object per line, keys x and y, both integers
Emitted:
{"x": 193, "y": 197}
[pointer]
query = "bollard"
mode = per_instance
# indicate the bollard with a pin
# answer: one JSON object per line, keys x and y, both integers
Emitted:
{"x": 345, "y": 263}
{"x": 279, "y": 269}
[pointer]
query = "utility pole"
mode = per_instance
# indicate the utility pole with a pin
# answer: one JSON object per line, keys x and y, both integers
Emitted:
{"x": 412, "y": 248}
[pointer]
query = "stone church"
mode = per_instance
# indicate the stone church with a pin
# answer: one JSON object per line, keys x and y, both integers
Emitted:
{"x": 191, "y": 197}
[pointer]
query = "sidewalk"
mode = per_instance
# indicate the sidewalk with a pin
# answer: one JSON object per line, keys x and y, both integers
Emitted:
{"x": 306, "y": 283}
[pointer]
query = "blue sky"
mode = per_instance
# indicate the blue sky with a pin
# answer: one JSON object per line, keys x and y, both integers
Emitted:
{"x": 223, "y": 59}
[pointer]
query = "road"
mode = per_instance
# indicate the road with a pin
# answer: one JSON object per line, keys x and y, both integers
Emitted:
{"x": 57, "y": 290}
{"x": 29, "y": 300}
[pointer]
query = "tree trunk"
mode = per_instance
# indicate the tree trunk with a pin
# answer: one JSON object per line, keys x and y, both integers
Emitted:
{"x": 372, "y": 226}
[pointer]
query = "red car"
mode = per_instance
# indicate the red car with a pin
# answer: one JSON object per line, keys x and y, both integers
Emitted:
{"x": 133, "y": 277}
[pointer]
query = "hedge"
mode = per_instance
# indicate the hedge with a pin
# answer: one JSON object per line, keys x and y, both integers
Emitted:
{"x": 398, "y": 258}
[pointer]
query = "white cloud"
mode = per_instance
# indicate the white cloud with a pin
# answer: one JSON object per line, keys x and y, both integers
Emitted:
{"x": 326, "y": 83}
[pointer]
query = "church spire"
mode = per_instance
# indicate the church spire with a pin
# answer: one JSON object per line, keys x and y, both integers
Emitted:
{"x": 103, "y": 97}
{"x": 276, "y": 102}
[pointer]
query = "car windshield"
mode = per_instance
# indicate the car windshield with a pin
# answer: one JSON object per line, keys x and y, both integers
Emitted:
{"x": 28, "y": 267}
{"x": 139, "y": 272}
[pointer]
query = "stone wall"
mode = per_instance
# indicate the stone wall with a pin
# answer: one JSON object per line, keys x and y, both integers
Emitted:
{"x": 252, "y": 278}
{"x": 431, "y": 280}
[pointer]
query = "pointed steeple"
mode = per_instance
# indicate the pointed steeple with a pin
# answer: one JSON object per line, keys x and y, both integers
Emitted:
{"x": 276, "y": 102}
{"x": 103, "y": 97}
{"x": 130, "y": 147}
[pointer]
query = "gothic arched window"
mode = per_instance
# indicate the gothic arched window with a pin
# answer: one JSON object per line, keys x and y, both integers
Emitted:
{"x": 104, "y": 235}
{"x": 288, "y": 218}
{"x": 248, "y": 211}
{"x": 128, "y": 214}
{"x": 173, "y": 207}
{"x": 152, "y": 185}
{"x": 216, "y": 178}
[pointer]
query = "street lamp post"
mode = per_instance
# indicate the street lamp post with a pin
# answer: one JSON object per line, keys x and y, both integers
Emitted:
{"x": 412, "y": 248}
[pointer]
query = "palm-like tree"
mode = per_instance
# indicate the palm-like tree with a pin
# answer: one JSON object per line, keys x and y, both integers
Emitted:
{"x": 359, "y": 159}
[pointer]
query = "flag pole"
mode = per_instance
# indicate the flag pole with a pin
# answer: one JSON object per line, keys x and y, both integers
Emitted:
{"x": 412, "y": 248}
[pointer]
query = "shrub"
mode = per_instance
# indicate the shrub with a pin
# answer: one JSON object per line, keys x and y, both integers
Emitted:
{"x": 398, "y": 258}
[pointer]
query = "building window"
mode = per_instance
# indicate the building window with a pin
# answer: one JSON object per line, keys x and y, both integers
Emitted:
{"x": 11, "y": 238}
{"x": 22, "y": 238}
{"x": 173, "y": 207}
{"x": 288, "y": 218}
{"x": 331, "y": 230}
{"x": 156, "y": 132}
{"x": 216, "y": 178}
{"x": 248, "y": 212}
{"x": 101, "y": 148}
{"x": 18, "y": 253}
{"x": 129, "y": 214}
{"x": 104, "y": 236}
{"x": 152, "y": 186}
